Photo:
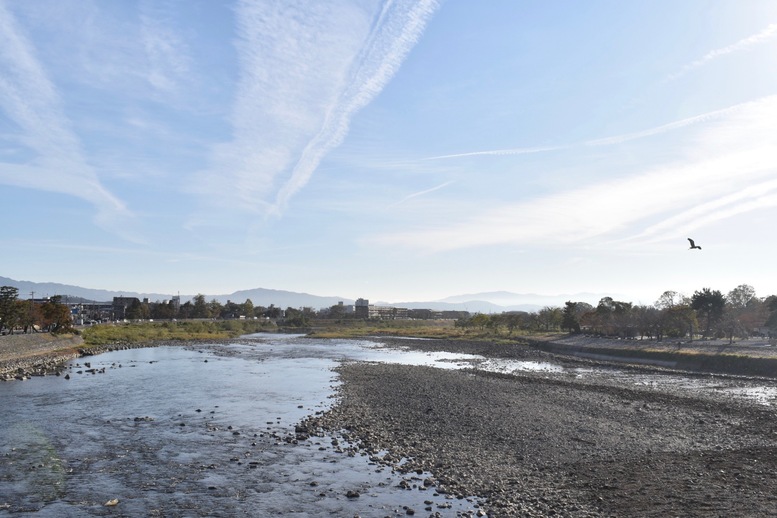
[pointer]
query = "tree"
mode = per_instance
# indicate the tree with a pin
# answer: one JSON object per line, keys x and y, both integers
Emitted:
{"x": 200, "y": 309}
{"x": 614, "y": 317}
{"x": 771, "y": 322}
{"x": 678, "y": 321}
{"x": 214, "y": 308}
{"x": 134, "y": 310}
{"x": 744, "y": 312}
{"x": 273, "y": 312}
{"x": 514, "y": 320}
{"x": 295, "y": 318}
{"x": 186, "y": 310}
{"x": 710, "y": 305}
{"x": 55, "y": 316}
{"x": 740, "y": 296}
{"x": 550, "y": 317}
{"x": 480, "y": 321}
{"x": 647, "y": 319}
{"x": 247, "y": 309}
{"x": 163, "y": 311}
{"x": 8, "y": 308}
{"x": 569, "y": 320}
{"x": 668, "y": 300}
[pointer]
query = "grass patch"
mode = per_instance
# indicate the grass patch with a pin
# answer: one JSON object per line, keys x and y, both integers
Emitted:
{"x": 134, "y": 333}
{"x": 441, "y": 329}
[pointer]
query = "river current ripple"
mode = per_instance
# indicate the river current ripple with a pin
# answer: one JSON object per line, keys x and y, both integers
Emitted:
{"x": 198, "y": 431}
{"x": 208, "y": 430}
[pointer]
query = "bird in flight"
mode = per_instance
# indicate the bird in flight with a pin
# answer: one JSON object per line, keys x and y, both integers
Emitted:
{"x": 693, "y": 245}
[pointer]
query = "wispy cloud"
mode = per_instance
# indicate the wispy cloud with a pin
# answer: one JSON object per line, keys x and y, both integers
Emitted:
{"x": 168, "y": 56}
{"x": 605, "y": 141}
{"x": 660, "y": 202}
{"x": 500, "y": 152}
{"x": 421, "y": 193}
{"x": 305, "y": 71}
{"x": 33, "y": 103}
{"x": 743, "y": 44}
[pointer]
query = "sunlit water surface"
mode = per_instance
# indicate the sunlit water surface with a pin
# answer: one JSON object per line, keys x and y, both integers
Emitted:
{"x": 199, "y": 431}
{"x": 179, "y": 431}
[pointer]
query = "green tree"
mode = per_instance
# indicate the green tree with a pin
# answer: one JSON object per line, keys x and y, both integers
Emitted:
{"x": 709, "y": 304}
{"x": 614, "y": 317}
{"x": 295, "y": 318}
{"x": 337, "y": 311}
{"x": 569, "y": 319}
{"x": 247, "y": 309}
{"x": 215, "y": 308}
{"x": 163, "y": 311}
{"x": 273, "y": 312}
{"x": 480, "y": 321}
{"x": 200, "y": 309}
{"x": 134, "y": 310}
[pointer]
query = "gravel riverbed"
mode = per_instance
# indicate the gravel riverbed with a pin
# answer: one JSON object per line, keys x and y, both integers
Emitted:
{"x": 35, "y": 354}
{"x": 540, "y": 444}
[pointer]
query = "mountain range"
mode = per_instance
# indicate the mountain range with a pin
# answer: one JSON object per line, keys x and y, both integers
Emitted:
{"x": 485, "y": 302}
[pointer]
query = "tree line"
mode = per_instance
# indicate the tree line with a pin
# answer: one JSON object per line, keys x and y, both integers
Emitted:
{"x": 50, "y": 315}
{"x": 707, "y": 313}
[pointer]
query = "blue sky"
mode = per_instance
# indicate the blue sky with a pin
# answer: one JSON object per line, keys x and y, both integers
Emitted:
{"x": 397, "y": 151}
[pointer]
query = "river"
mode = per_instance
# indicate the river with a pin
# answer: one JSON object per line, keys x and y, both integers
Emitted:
{"x": 198, "y": 431}
{"x": 209, "y": 430}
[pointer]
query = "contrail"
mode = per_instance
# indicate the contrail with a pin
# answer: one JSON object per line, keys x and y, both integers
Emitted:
{"x": 606, "y": 141}
{"x": 742, "y": 44}
{"x": 421, "y": 193}
{"x": 396, "y": 31}
{"x": 500, "y": 152}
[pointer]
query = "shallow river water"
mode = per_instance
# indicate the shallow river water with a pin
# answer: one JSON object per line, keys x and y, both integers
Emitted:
{"x": 202, "y": 431}
{"x": 179, "y": 431}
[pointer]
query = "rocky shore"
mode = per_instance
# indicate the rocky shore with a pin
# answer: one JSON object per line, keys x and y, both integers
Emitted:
{"x": 40, "y": 354}
{"x": 540, "y": 444}
{"x": 36, "y": 354}
{"x": 531, "y": 444}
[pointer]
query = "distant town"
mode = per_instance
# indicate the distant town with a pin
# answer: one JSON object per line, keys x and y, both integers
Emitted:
{"x": 133, "y": 308}
{"x": 707, "y": 314}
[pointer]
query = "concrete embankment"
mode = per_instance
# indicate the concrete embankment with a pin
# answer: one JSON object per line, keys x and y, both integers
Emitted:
{"x": 35, "y": 354}
{"x": 743, "y": 358}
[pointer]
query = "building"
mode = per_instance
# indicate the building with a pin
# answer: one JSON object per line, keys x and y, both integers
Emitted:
{"x": 121, "y": 305}
{"x": 364, "y": 309}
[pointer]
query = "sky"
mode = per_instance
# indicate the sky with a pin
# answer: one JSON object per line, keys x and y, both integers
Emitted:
{"x": 404, "y": 150}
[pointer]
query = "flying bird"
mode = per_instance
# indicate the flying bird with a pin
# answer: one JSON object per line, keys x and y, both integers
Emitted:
{"x": 693, "y": 245}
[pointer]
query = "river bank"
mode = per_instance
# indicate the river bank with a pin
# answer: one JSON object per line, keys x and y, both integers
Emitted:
{"x": 535, "y": 443}
{"x": 35, "y": 354}
{"x": 40, "y": 354}
{"x": 539, "y": 444}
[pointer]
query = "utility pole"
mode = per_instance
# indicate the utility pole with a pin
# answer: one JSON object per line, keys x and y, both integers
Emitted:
{"x": 32, "y": 311}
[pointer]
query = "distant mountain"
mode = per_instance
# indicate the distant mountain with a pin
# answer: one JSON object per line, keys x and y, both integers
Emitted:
{"x": 281, "y": 298}
{"x": 473, "y": 306}
{"x": 485, "y": 302}
{"x": 506, "y": 298}
{"x": 49, "y": 289}
{"x": 258, "y": 296}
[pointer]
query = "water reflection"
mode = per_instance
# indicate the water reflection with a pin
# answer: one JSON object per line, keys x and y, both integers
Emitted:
{"x": 204, "y": 431}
